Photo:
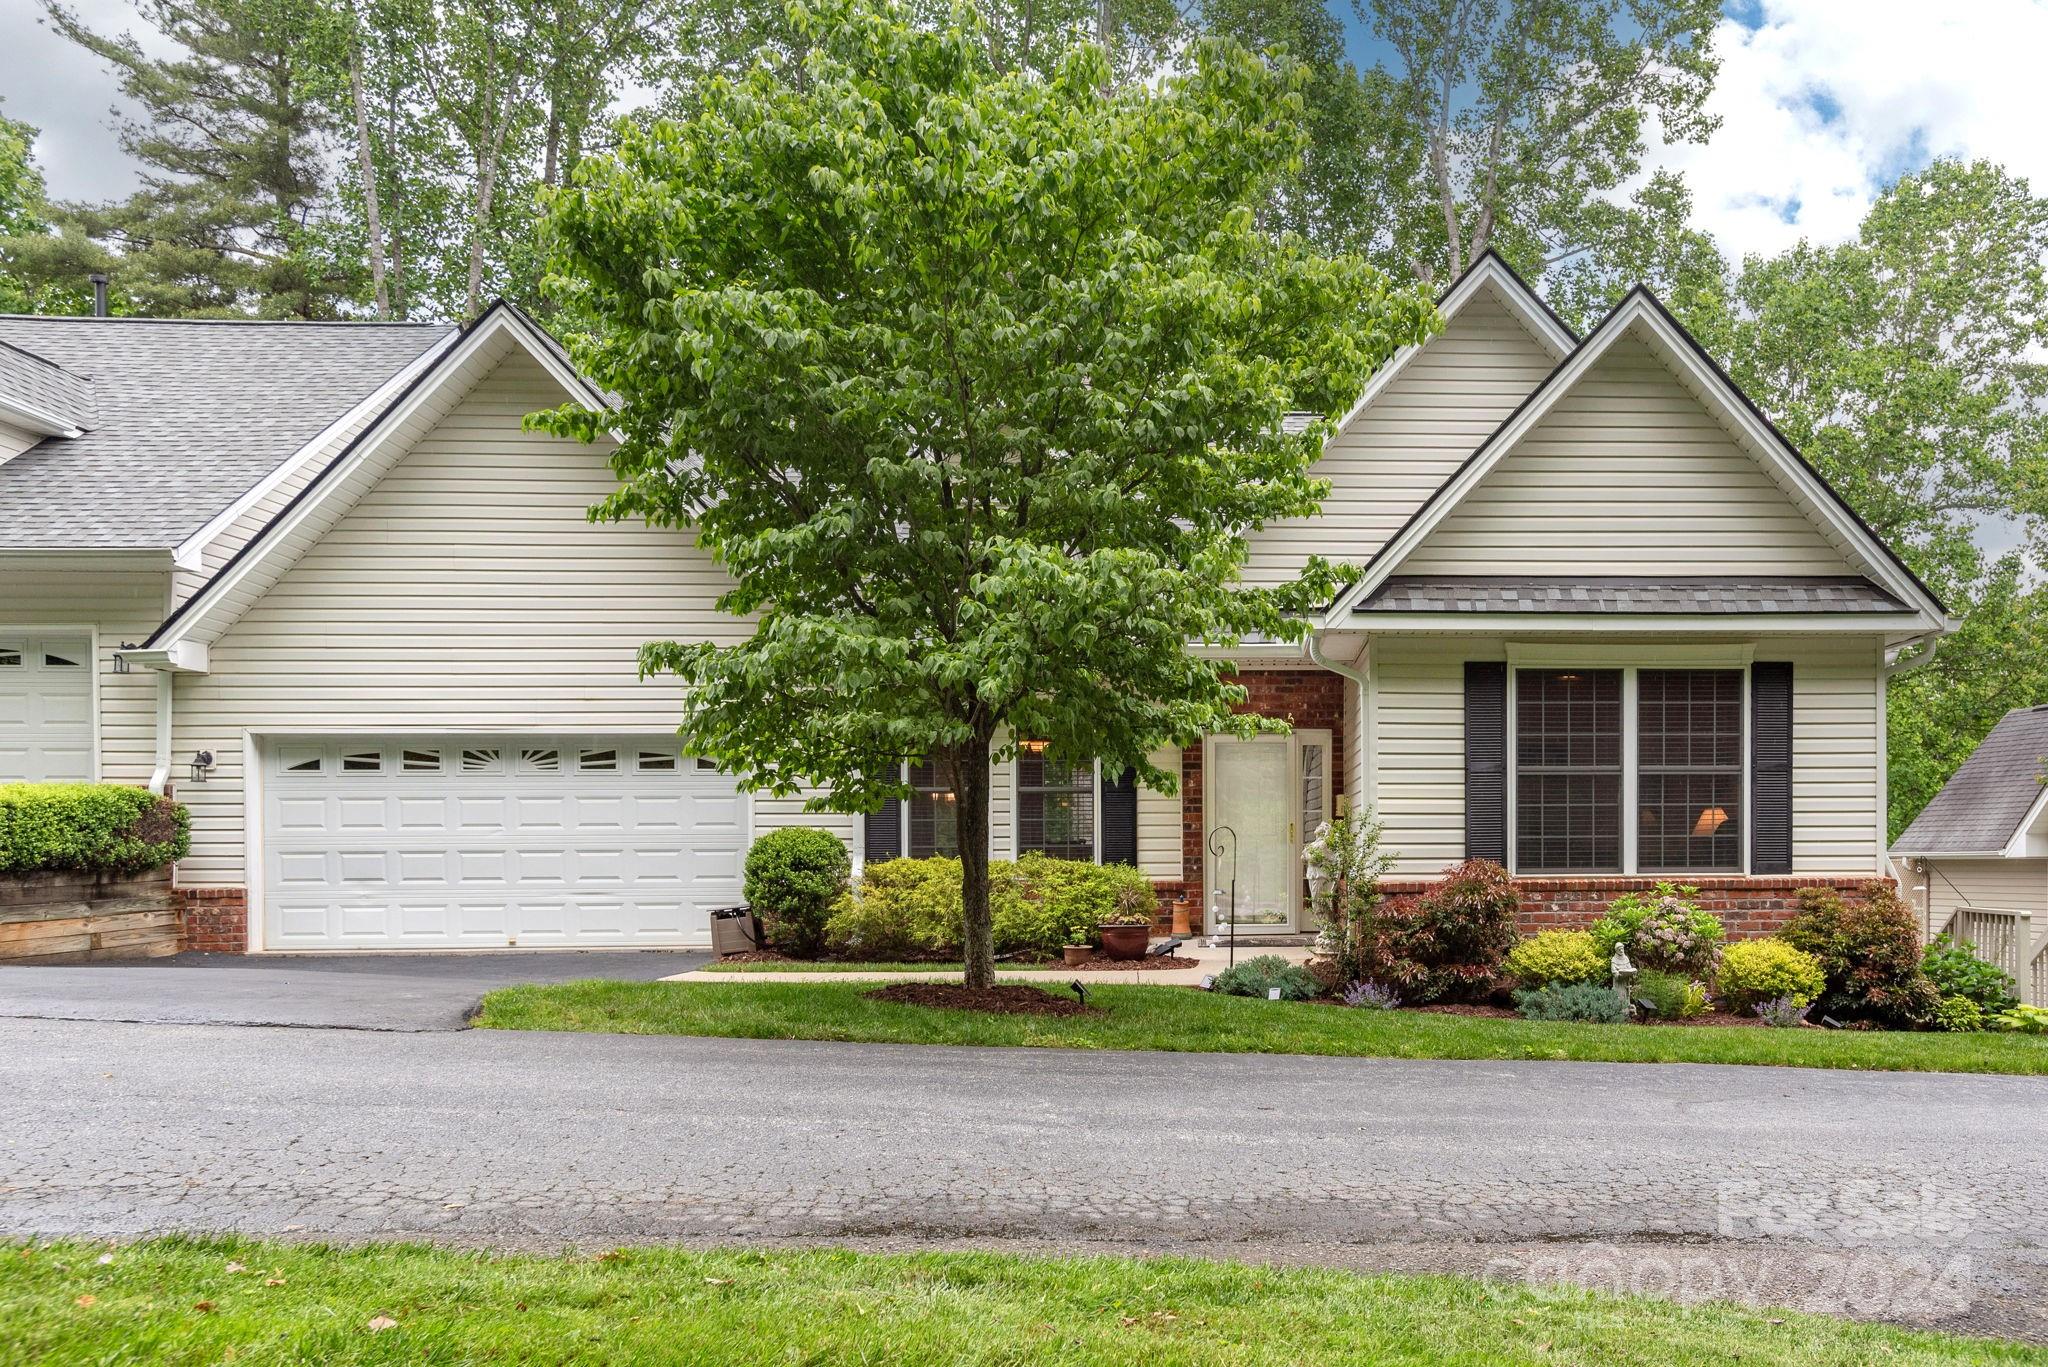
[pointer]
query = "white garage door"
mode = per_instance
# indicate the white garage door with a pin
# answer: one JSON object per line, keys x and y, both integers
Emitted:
{"x": 453, "y": 842}
{"x": 45, "y": 708}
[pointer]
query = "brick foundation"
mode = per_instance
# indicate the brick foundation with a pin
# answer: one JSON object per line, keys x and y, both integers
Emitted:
{"x": 1747, "y": 907}
{"x": 214, "y": 920}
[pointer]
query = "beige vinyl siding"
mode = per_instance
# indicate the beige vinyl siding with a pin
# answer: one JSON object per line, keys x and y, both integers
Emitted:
{"x": 1159, "y": 823}
{"x": 1988, "y": 884}
{"x": 1418, "y": 734}
{"x": 465, "y": 591}
{"x": 1628, "y": 474}
{"x": 1416, "y": 431}
{"x": 118, "y": 605}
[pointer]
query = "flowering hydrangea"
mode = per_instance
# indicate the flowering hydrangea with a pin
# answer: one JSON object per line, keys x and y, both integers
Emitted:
{"x": 1662, "y": 930}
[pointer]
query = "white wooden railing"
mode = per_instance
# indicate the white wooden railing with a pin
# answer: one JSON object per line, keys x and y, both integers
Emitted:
{"x": 2009, "y": 939}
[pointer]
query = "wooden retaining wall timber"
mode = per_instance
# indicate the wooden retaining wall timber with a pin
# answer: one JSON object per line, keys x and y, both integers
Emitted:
{"x": 67, "y": 918}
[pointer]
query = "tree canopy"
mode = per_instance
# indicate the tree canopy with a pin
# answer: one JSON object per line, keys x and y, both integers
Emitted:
{"x": 973, "y": 380}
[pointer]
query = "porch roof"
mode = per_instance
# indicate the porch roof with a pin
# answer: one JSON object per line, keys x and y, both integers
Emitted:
{"x": 1701, "y": 596}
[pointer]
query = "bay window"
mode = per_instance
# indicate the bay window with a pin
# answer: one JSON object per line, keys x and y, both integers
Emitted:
{"x": 1628, "y": 771}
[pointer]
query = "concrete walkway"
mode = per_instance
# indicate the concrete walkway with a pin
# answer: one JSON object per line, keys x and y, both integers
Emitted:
{"x": 1212, "y": 961}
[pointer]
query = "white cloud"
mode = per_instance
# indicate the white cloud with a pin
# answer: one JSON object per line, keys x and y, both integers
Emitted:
{"x": 1826, "y": 101}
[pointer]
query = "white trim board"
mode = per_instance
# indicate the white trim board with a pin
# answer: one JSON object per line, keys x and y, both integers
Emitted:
{"x": 189, "y": 553}
{"x": 1640, "y": 314}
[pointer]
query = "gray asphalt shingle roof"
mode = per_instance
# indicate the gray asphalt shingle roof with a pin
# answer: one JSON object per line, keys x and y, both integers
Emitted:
{"x": 1612, "y": 593}
{"x": 1981, "y": 807}
{"x": 190, "y": 415}
{"x": 46, "y": 386}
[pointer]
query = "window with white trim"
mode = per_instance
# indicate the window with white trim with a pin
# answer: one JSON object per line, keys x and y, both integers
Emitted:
{"x": 1624, "y": 771}
{"x": 932, "y": 815}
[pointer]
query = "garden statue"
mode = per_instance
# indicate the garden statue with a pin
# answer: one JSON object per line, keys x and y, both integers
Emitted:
{"x": 1624, "y": 972}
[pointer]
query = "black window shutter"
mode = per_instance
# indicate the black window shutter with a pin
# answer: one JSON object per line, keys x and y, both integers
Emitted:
{"x": 1120, "y": 818}
{"x": 1770, "y": 763}
{"x": 1486, "y": 761}
{"x": 885, "y": 831}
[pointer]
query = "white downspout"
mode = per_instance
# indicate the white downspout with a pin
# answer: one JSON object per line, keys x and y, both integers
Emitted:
{"x": 160, "y": 777}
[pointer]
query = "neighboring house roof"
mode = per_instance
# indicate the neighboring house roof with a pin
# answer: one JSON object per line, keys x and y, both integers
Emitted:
{"x": 1640, "y": 313}
{"x": 1597, "y": 593}
{"x": 1993, "y": 798}
{"x": 44, "y": 395}
{"x": 188, "y": 415}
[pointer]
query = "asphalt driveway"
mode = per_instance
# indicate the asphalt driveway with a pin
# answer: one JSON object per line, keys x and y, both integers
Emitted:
{"x": 405, "y": 992}
{"x": 1911, "y": 1197}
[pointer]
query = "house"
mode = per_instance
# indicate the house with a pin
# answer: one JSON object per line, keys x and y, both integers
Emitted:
{"x": 1978, "y": 853}
{"x": 318, "y": 580}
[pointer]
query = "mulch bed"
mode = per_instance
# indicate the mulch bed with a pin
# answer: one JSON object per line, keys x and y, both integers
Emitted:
{"x": 1008, "y": 999}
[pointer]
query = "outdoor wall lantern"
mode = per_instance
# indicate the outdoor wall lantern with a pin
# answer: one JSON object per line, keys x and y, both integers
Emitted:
{"x": 120, "y": 660}
{"x": 202, "y": 765}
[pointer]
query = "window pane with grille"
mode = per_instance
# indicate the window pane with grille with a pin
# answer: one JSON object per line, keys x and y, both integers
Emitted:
{"x": 1689, "y": 749}
{"x": 934, "y": 814}
{"x": 1055, "y": 808}
{"x": 1568, "y": 770}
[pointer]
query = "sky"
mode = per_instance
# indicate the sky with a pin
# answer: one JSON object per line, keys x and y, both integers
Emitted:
{"x": 1823, "y": 103}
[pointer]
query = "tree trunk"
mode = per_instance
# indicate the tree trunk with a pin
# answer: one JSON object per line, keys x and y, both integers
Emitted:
{"x": 372, "y": 215}
{"x": 971, "y": 792}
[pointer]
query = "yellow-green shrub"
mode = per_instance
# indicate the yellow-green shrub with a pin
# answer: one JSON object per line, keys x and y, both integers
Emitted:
{"x": 912, "y": 907}
{"x": 1557, "y": 956}
{"x": 1755, "y": 971}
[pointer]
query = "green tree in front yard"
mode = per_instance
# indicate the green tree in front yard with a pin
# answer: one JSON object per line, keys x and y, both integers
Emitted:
{"x": 972, "y": 379}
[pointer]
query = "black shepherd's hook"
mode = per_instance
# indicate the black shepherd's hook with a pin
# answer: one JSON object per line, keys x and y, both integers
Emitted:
{"x": 1216, "y": 849}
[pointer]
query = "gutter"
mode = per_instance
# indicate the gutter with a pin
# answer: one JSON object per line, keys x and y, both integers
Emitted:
{"x": 1931, "y": 639}
{"x": 1350, "y": 671}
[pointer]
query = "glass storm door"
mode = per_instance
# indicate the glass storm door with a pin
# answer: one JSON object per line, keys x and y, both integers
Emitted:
{"x": 1263, "y": 798}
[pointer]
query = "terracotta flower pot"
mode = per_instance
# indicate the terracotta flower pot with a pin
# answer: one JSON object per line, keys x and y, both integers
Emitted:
{"x": 1078, "y": 954}
{"x": 1125, "y": 942}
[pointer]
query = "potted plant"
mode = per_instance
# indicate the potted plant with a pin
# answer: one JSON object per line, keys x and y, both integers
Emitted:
{"x": 1127, "y": 929}
{"x": 1076, "y": 955}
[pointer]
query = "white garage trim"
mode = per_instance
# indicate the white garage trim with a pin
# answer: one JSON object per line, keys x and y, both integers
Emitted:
{"x": 265, "y": 751}
{"x": 34, "y": 637}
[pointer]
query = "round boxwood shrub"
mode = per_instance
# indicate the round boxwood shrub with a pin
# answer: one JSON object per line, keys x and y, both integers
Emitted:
{"x": 911, "y": 908}
{"x": 793, "y": 878}
{"x": 1557, "y": 956}
{"x": 1754, "y": 971}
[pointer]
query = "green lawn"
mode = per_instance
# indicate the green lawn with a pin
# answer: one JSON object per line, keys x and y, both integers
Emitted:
{"x": 835, "y": 966}
{"x": 187, "y": 1301}
{"x": 1177, "y": 1018}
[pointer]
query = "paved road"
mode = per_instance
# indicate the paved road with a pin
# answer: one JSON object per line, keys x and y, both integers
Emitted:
{"x": 1911, "y": 1197}
{"x": 332, "y": 991}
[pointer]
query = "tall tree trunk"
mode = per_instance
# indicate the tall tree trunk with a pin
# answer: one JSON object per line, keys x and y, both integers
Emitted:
{"x": 971, "y": 790}
{"x": 373, "y": 218}
{"x": 489, "y": 153}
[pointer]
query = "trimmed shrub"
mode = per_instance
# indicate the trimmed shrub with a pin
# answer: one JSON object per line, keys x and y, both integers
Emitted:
{"x": 911, "y": 908}
{"x": 1589, "y": 1003}
{"x": 1259, "y": 976}
{"x": 793, "y": 878}
{"x": 1450, "y": 944}
{"x": 1870, "y": 953}
{"x": 89, "y": 828}
{"x": 1557, "y": 956}
{"x": 1755, "y": 971}
{"x": 1670, "y": 996}
{"x": 1662, "y": 930}
{"x": 1955, "y": 969}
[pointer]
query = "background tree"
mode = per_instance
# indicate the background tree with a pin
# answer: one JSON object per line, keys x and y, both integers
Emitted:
{"x": 973, "y": 382}
{"x": 231, "y": 136}
{"x": 1529, "y": 113}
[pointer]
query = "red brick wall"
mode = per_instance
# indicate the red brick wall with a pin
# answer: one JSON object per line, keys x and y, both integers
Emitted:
{"x": 1309, "y": 698}
{"x": 215, "y": 920}
{"x": 1748, "y": 907}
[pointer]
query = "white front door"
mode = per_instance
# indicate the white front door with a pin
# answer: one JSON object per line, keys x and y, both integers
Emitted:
{"x": 1262, "y": 800}
{"x": 442, "y": 842}
{"x": 45, "y": 708}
